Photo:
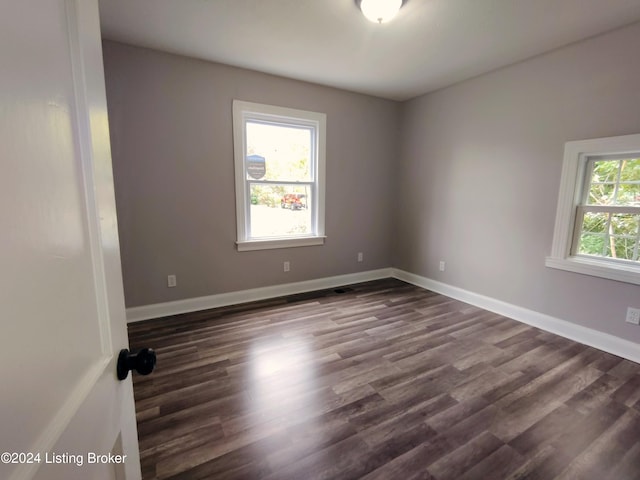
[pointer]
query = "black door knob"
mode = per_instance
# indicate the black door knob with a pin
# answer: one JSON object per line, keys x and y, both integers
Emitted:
{"x": 143, "y": 361}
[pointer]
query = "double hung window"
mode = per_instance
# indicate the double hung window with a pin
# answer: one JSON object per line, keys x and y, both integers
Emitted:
{"x": 598, "y": 219}
{"x": 609, "y": 211}
{"x": 279, "y": 170}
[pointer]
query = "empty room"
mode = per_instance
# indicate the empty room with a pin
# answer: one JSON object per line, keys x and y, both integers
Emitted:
{"x": 337, "y": 239}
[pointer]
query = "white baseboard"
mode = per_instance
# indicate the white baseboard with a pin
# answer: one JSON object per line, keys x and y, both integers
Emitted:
{"x": 136, "y": 314}
{"x": 587, "y": 336}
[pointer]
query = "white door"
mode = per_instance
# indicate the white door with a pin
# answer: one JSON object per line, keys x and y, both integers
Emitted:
{"x": 62, "y": 409}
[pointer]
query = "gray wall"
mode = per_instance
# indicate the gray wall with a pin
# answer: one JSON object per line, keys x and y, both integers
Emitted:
{"x": 171, "y": 136}
{"x": 479, "y": 173}
{"x": 468, "y": 174}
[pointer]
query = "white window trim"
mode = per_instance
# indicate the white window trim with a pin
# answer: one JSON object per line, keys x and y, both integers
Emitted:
{"x": 241, "y": 110}
{"x": 573, "y": 173}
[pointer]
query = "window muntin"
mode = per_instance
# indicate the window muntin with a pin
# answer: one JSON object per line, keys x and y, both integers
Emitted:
{"x": 279, "y": 161}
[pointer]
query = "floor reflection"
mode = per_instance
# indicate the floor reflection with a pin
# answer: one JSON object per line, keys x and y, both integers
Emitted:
{"x": 281, "y": 378}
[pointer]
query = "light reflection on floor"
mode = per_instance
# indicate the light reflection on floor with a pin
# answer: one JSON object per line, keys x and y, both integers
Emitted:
{"x": 281, "y": 377}
{"x": 283, "y": 394}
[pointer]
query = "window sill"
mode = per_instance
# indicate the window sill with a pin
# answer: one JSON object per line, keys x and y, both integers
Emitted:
{"x": 596, "y": 268}
{"x": 248, "y": 245}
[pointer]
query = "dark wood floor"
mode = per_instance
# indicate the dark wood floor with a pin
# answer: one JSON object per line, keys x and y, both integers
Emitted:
{"x": 385, "y": 381}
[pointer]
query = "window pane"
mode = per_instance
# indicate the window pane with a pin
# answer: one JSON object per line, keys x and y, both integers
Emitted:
{"x": 628, "y": 194}
{"x": 280, "y": 210}
{"x": 617, "y": 238}
{"x": 615, "y": 182}
{"x": 624, "y": 231}
{"x": 591, "y": 244}
{"x": 595, "y": 222}
{"x": 630, "y": 170}
{"x": 622, "y": 247}
{"x": 593, "y": 236}
{"x": 624, "y": 224}
{"x": 286, "y": 151}
{"x": 601, "y": 193}
{"x": 605, "y": 171}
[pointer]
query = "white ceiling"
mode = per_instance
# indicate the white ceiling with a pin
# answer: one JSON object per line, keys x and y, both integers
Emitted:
{"x": 430, "y": 44}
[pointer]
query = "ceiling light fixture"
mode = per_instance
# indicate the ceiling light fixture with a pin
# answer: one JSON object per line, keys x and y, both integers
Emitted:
{"x": 379, "y": 11}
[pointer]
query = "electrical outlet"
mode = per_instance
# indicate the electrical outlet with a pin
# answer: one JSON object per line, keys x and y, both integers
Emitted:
{"x": 360, "y": 257}
{"x": 442, "y": 265}
{"x": 633, "y": 315}
{"x": 171, "y": 281}
{"x": 287, "y": 266}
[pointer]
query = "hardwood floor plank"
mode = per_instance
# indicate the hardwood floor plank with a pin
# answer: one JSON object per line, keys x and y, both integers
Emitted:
{"x": 606, "y": 451}
{"x": 490, "y": 379}
{"x": 474, "y": 425}
{"x": 547, "y": 429}
{"x": 309, "y": 437}
{"x": 594, "y": 395}
{"x": 411, "y": 465}
{"x": 385, "y": 381}
{"x": 456, "y": 413}
{"x": 456, "y": 463}
{"x": 350, "y": 459}
{"x": 629, "y": 392}
{"x": 627, "y": 467}
{"x": 580, "y": 435}
{"x": 499, "y": 464}
{"x": 544, "y": 465}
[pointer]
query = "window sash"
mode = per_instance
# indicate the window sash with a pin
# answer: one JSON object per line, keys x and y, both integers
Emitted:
{"x": 588, "y": 175}
{"x": 251, "y": 117}
{"x": 313, "y": 201}
{"x": 581, "y": 210}
{"x": 609, "y": 209}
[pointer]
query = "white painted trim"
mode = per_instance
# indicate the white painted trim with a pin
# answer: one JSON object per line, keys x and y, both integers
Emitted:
{"x": 241, "y": 111}
{"x": 279, "y": 243}
{"x": 136, "y": 314}
{"x": 587, "y": 336}
{"x": 586, "y": 266}
{"x": 91, "y": 181}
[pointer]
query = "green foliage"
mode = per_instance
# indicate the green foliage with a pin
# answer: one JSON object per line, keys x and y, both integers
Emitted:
{"x": 614, "y": 235}
{"x": 269, "y": 195}
{"x": 630, "y": 170}
{"x": 595, "y": 222}
{"x": 609, "y": 235}
{"x": 624, "y": 247}
{"x": 615, "y": 182}
{"x": 591, "y": 244}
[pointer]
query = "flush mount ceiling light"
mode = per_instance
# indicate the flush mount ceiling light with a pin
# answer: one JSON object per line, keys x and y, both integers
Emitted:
{"x": 379, "y": 11}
